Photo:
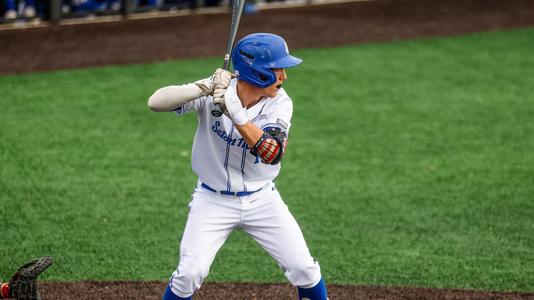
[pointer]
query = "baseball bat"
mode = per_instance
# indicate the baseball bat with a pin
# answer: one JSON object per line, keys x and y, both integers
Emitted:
{"x": 237, "y": 11}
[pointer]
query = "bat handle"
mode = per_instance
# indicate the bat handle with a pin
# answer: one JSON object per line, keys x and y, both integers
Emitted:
{"x": 217, "y": 110}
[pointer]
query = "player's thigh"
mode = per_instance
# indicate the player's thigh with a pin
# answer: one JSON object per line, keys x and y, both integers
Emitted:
{"x": 208, "y": 225}
{"x": 273, "y": 226}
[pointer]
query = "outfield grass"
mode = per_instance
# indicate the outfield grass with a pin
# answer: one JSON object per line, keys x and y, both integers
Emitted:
{"x": 409, "y": 163}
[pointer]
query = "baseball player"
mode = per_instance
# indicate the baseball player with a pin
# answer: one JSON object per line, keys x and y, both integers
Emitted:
{"x": 23, "y": 284}
{"x": 236, "y": 156}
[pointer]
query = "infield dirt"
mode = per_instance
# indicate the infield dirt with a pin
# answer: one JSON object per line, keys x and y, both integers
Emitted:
{"x": 166, "y": 38}
{"x": 253, "y": 291}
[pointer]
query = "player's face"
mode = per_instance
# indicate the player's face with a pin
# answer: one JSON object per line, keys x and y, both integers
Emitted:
{"x": 272, "y": 90}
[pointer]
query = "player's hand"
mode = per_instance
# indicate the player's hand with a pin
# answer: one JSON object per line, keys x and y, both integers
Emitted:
{"x": 220, "y": 78}
{"x": 218, "y": 99}
{"x": 231, "y": 104}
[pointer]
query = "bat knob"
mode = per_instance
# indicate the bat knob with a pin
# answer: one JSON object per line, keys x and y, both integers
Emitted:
{"x": 217, "y": 110}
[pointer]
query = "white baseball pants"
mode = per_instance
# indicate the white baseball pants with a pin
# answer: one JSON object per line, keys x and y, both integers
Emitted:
{"x": 263, "y": 215}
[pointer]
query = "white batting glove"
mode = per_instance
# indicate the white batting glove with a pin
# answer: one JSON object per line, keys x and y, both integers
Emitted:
{"x": 222, "y": 77}
{"x": 218, "y": 98}
{"x": 231, "y": 104}
{"x": 219, "y": 78}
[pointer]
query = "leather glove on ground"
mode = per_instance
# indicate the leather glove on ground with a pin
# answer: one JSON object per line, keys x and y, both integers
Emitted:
{"x": 23, "y": 284}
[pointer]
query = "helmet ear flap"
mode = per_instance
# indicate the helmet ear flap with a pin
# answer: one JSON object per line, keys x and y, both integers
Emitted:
{"x": 256, "y": 73}
{"x": 262, "y": 77}
{"x": 265, "y": 78}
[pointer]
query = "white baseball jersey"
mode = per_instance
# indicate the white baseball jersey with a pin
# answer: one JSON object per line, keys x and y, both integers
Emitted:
{"x": 221, "y": 159}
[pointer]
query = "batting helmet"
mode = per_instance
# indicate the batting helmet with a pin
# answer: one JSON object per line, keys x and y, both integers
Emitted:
{"x": 257, "y": 54}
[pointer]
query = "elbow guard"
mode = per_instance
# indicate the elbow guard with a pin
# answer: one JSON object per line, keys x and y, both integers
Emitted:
{"x": 271, "y": 146}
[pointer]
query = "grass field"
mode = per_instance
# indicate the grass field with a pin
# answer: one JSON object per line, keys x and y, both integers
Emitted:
{"x": 409, "y": 163}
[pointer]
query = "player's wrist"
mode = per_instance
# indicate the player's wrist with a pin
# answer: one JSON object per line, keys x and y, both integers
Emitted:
{"x": 206, "y": 86}
{"x": 241, "y": 118}
{"x": 241, "y": 125}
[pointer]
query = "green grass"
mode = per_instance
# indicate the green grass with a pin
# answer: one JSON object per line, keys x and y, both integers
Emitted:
{"x": 409, "y": 163}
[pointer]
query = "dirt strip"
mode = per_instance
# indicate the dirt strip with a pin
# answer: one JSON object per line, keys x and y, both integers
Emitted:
{"x": 158, "y": 39}
{"x": 249, "y": 291}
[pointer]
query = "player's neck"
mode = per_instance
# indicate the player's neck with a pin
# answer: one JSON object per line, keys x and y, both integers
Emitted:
{"x": 248, "y": 94}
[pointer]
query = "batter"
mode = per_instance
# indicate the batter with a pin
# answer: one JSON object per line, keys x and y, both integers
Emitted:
{"x": 236, "y": 156}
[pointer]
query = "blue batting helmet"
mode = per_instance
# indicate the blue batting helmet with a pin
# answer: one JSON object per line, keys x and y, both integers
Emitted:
{"x": 257, "y": 54}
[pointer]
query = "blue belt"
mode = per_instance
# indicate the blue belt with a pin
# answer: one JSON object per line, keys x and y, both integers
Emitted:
{"x": 235, "y": 194}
